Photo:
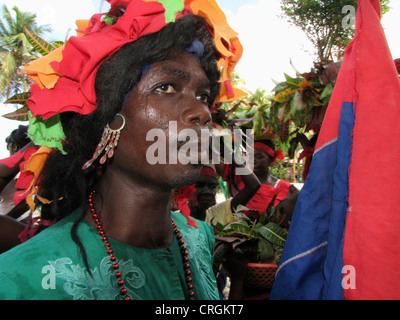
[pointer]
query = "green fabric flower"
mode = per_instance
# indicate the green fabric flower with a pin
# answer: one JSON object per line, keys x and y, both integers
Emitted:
{"x": 172, "y": 7}
{"x": 47, "y": 133}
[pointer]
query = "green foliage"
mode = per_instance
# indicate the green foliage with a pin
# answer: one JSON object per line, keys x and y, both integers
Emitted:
{"x": 279, "y": 171}
{"x": 296, "y": 100}
{"x": 251, "y": 112}
{"x": 19, "y": 98}
{"x": 19, "y": 115}
{"x": 15, "y": 49}
{"x": 109, "y": 19}
{"x": 260, "y": 240}
{"x": 272, "y": 232}
{"x": 22, "y": 113}
{"x": 237, "y": 229}
{"x": 43, "y": 47}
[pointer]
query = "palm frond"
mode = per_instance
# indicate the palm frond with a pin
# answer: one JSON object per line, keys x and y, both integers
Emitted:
{"x": 9, "y": 20}
{"x": 39, "y": 44}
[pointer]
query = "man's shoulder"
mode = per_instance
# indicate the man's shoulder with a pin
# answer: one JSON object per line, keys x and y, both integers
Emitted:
{"x": 36, "y": 247}
{"x": 182, "y": 223}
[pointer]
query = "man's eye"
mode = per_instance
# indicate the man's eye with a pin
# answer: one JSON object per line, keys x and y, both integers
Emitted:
{"x": 165, "y": 88}
{"x": 205, "y": 98}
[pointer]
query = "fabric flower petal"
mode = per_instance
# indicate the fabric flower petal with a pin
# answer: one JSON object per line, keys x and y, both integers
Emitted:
{"x": 47, "y": 132}
{"x": 34, "y": 167}
{"x": 40, "y": 70}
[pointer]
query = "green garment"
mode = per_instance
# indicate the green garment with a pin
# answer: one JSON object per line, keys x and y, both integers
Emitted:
{"x": 49, "y": 266}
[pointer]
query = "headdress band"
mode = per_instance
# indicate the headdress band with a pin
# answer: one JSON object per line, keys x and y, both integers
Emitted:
{"x": 208, "y": 171}
{"x": 278, "y": 154}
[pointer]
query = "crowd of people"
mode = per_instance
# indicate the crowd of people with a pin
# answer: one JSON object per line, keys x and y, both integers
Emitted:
{"x": 93, "y": 202}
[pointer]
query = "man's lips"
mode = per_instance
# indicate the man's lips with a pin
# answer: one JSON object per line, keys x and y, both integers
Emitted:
{"x": 195, "y": 149}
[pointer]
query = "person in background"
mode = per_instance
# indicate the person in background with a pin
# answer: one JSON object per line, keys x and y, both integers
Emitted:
{"x": 17, "y": 139}
{"x": 14, "y": 211}
{"x": 21, "y": 148}
{"x": 271, "y": 187}
{"x": 9, "y": 231}
{"x": 203, "y": 206}
{"x": 205, "y": 190}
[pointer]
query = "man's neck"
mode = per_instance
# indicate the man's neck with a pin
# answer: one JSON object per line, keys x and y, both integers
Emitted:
{"x": 136, "y": 214}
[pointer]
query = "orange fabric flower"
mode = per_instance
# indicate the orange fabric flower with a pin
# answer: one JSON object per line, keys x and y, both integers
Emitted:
{"x": 41, "y": 72}
{"x": 226, "y": 42}
{"x": 33, "y": 168}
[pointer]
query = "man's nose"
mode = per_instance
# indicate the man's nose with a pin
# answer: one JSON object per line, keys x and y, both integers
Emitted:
{"x": 197, "y": 113}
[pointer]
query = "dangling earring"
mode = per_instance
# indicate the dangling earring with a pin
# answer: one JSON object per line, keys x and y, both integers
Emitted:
{"x": 108, "y": 143}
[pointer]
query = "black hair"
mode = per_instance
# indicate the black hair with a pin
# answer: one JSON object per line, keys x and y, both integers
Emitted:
{"x": 63, "y": 175}
{"x": 19, "y": 137}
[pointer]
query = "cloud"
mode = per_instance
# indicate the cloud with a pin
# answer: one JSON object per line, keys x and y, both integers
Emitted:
{"x": 269, "y": 43}
{"x": 60, "y": 15}
{"x": 391, "y": 26}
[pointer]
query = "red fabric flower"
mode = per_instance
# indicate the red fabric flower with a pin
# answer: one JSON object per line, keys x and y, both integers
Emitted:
{"x": 181, "y": 199}
{"x": 24, "y": 180}
{"x": 82, "y": 57}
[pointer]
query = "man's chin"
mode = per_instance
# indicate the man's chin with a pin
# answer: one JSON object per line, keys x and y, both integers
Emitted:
{"x": 187, "y": 175}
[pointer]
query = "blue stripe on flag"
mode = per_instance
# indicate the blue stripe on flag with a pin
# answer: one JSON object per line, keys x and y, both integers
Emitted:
{"x": 311, "y": 263}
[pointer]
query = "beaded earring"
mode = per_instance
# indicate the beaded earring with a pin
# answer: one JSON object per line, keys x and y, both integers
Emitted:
{"x": 108, "y": 143}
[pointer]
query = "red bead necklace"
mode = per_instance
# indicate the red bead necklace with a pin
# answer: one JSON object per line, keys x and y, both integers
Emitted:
{"x": 110, "y": 252}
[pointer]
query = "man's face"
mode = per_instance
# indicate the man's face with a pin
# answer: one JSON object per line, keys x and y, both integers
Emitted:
{"x": 172, "y": 91}
{"x": 262, "y": 162}
{"x": 206, "y": 189}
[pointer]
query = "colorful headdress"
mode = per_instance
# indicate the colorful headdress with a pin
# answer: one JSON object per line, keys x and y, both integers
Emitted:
{"x": 64, "y": 79}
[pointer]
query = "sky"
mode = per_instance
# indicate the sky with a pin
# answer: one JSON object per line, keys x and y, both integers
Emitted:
{"x": 269, "y": 42}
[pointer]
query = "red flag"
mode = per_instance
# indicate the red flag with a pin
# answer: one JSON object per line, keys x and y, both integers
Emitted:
{"x": 372, "y": 235}
{"x": 344, "y": 237}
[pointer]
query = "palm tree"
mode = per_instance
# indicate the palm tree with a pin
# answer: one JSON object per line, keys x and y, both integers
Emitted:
{"x": 15, "y": 49}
